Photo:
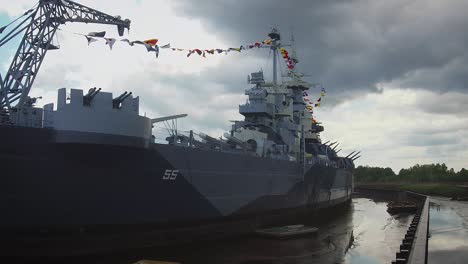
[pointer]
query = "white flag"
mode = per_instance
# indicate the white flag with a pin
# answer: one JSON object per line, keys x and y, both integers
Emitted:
{"x": 90, "y": 40}
{"x": 110, "y": 42}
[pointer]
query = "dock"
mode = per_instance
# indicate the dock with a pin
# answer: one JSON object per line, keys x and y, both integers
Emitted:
{"x": 414, "y": 247}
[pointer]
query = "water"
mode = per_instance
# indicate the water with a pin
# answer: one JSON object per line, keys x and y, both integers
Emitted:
{"x": 364, "y": 233}
{"x": 449, "y": 231}
{"x": 377, "y": 234}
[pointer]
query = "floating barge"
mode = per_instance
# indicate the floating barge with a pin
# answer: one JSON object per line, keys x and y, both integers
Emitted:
{"x": 286, "y": 231}
{"x": 401, "y": 207}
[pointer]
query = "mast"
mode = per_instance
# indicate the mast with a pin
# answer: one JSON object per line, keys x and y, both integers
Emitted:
{"x": 275, "y": 37}
{"x": 274, "y": 63}
{"x": 293, "y": 50}
{"x": 302, "y": 152}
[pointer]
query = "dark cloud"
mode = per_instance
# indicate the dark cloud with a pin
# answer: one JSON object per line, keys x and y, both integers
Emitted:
{"x": 449, "y": 77}
{"x": 441, "y": 129}
{"x": 353, "y": 46}
{"x": 452, "y": 103}
{"x": 432, "y": 140}
{"x": 449, "y": 150}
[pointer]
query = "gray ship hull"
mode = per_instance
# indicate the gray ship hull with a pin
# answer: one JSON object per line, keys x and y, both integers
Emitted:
{"x": 51, "y": 182}
{"x": 239, "y": 184}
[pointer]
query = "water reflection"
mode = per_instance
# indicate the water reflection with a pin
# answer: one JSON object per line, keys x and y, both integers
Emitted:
{"x": 449, "y": 233}
{"x": 363, "y": 233}
{"x": 366, "y": 233}
{"x": 377, "y": 233}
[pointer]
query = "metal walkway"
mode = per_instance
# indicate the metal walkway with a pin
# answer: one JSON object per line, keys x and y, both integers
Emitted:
{"x": 414, "y": 247}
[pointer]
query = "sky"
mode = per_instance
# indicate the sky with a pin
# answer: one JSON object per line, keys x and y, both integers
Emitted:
{"x": 395, "y": 71}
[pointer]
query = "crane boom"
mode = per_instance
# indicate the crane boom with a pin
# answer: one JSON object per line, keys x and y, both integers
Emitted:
{"x": 45, "y": 20}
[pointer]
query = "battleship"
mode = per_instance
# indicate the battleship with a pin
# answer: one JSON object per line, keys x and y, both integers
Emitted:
{"x": 92, "y": 160}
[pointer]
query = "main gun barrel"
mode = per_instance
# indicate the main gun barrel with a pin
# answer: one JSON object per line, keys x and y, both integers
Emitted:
{"x": 355, "y": 155}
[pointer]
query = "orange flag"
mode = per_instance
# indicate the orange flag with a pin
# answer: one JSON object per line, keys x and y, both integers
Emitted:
{"x": 151, "y": 42}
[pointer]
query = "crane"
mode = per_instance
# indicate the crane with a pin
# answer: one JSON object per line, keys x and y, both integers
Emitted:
{"x": 44, "y": 20}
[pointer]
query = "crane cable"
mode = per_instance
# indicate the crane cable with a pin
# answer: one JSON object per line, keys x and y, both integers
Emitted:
{"x": 13, "y": 34}
{"x": 24, "y": 14}
{"x": 8, "y": 37}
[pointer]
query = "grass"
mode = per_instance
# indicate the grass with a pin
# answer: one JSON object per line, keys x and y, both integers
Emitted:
{"x": 434, "y": 189}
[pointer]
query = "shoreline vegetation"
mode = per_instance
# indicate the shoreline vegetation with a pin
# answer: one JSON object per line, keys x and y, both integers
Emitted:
{"x": 429, "y": 179}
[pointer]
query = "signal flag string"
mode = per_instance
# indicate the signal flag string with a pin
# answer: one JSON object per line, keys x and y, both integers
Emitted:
{"x": 152, "y": 46}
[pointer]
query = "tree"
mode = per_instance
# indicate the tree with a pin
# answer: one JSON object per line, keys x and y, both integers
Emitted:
{"x": 415, "y": 174}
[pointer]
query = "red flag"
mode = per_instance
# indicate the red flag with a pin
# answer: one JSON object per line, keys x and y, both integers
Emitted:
{"x": 151, "y": 42}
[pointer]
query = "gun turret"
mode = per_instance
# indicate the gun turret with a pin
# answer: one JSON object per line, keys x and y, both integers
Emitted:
{"x": 213, "y": 141}
{"x": 30, "y": 101}
{"x": 90, "y": 95}
{"x": 116, "y": 103}
{"x": 355, "y": 155}
{"x": 235, "y": 141}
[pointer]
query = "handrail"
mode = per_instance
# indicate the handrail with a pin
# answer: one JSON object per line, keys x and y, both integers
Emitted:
{"x": 414, "y": 247}
{"x": 418, "y": 253}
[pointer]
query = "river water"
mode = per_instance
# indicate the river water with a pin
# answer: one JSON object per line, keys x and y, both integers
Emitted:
{"x": 377, "y": 234}
{"x": 449, "y": 231}
{"x": 364, "y": 233}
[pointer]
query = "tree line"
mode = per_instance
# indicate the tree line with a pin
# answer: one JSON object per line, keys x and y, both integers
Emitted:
{"x": 416, "y": 174}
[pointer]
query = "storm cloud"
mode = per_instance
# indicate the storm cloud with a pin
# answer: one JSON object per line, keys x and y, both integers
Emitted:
{"x": 355, "y": 46}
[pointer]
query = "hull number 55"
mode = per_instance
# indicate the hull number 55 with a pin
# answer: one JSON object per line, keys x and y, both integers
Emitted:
{"x": 170, "y": 175}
